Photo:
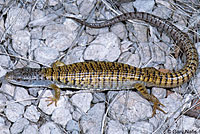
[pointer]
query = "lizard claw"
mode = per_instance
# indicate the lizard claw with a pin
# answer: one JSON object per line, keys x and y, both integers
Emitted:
{"x": 156, "y": 104}
{"x": 52, "y": 100}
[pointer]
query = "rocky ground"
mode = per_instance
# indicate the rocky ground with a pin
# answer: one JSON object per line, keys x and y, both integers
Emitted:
{"x": 37, "y": 33}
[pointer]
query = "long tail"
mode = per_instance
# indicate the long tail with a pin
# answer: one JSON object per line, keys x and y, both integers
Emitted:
{"x": 181, "y": 39}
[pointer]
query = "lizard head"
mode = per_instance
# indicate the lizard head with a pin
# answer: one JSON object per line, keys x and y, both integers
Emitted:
{"x": 22, "y": 76}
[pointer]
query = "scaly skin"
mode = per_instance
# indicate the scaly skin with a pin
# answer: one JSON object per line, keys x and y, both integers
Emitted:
{"x": 112, "y": 75}
{"x": 181, "y": 39}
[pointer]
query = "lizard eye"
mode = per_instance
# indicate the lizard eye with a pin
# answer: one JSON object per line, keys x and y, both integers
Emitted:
{"x": 17, "y": 79}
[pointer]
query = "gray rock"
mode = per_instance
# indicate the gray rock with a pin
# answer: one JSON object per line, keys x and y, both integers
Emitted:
{"x": 34, "y": 91}
{"x": 83, "y": 40}
{"x": 2, "y": 71}
{"x": 78, "y": 1}
{"x": 76, "y": 115}
{"x": 21, "y": 63}
{"x": 44, "y": 21}
{"x": 21, "y": 42}
{"x": 4, "y": 62}
{"x": 141, "y": 127}
{"x": 130, "y": 58}
{"x": 31, "y": 129}
{"x": 125, "y": 108}
{"x": 196, "y": 81}
{"x": 61, "y": 116}
{"x": 111, "y": 95}
{"x": 114, "y": 127}
{"x": 36, "y": 33}
{"x": 50, "y": 128}
{"x": 180, "y": 22}
{"x": 2, "y": 121}
{"x": 75, "y": 132}
{"x": 139, "y": 33}
{"x": 181, "y": 90}
{"x": 99, "y": 97}
{"x": 162, "y": 11}
{"x": 172, "y": 103}
{"x": 72, "y": 126}
{"x": 75, "y": 55}
{"x": 158, "y": 55}
{"x": 71, "y": 8}
{"x": 14, "y": 111}
{"x": 60, "y": 36}
{"x": 3, "y": 101}
{"x": 17, "y": 18}
{"x": 197, "y": 123}
{"x": 91, "y": 122}
{"x": 46, "y": 55}
{"x": 35, "y": 43}
{"x": 127, "y": 45}
{"x": 53, "y": 2}
{"x": 22, "y": 96}
{"x": 187, "y": 123}
{"x": 40, "y": 5}
{"x": 156, "y": 121}
{"x": 144, "y": 6}
{"x": 198, "y": 48}
{"x": 170, "y": 63}
{"x": 2, "y": 2}
{"x": 96, "y": 52}
{"x": 145, "y": 53}
{"x": 128, "y": 6}
{"x": 163, "y": 45}
{"x": 104, "y": 47}
{"x": 96, "y": 31}
{"x": 8, "y": 88}
{"x": 82, "y": 101}
{"x": 124, "y": 1}
{"x": 32, "y": 113}
{"x": 4, "y": 129}
{"x": 37, "y": 14}
{"x": 19, "y": 125}
{"x": 86, "y": 6}
{"x": 2, "y": 28}
{"x": 159, "y": 92}
{"x": 119, "y": 30}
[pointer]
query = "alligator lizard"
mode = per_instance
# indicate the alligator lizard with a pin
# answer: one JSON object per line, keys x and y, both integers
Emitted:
{"x": 113, "y": 75}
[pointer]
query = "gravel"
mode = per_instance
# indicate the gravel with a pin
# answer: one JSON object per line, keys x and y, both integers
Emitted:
{"x": 39, "y": 31}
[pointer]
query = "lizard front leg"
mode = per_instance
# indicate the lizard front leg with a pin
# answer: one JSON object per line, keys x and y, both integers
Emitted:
{"x": 56, "y": 97}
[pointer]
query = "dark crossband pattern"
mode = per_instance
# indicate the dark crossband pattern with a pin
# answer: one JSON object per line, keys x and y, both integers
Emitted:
{"x": 156, "y": 77}
{"x": 96, "y": 75}
{"x": 113, "y": 75}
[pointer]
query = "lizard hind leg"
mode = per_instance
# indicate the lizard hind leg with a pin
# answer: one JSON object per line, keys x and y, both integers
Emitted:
{"x": 150, "y": 97}
{"x": 56, "y": 97}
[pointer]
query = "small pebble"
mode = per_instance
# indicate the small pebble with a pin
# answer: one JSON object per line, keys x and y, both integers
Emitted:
{"x": 14, "y": 111}
{"x": 18, "y": 18}
{"x": 61, "y": 115}
{"x": 32, "y": 113}
{"x": 31, "y": 129}
{"x": 46, "y": 55}
{"x": 19, "y": 125}
{"x": 50, "y": 128}
{"x": 82, "y": 101}
{"x": 91, "y": 122}
{"x": 72, "y": 126}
